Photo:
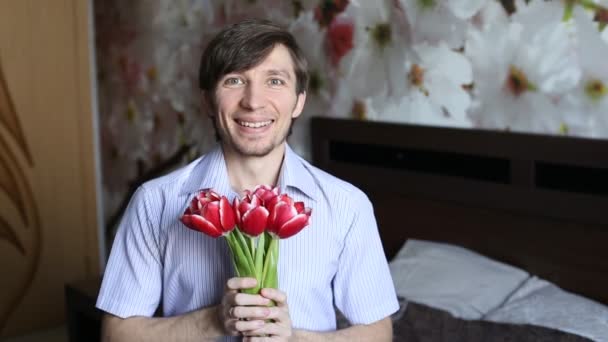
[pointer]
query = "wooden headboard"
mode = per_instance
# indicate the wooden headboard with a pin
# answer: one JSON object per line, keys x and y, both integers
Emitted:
{"x": 537, "y": 202}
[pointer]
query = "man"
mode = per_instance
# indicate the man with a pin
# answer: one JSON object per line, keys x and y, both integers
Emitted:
{"x": 253, "y": 80}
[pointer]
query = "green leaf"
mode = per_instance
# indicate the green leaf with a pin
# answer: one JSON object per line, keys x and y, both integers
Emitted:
{"x": 229, "y": 242}
{"x": 568, "y": 10}
{"x": 243, "y": 242}
{"x": 259, "y": 260}
{"x": 268, "y": 241}
{"x": 244, "y": 246}
{"x": 269, "y": 273}
{"x": 242, "y": 263}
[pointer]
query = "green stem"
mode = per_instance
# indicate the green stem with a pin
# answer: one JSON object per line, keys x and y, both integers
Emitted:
{"x": 252, "y": 247}
{"x": 269, "y": 272}
{"x": 230, "y": 242}
{"x": 268, "y": 240}
{"x": 259, "y": 262}
{"x": 241, "y": 240}
{"x": 243, "y": 264}
{"x": 588, "y": 4}
{"x": 568, "y": 10}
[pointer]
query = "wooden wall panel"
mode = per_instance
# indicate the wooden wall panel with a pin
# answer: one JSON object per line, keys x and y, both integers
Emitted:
{"x": 48, "y": 208}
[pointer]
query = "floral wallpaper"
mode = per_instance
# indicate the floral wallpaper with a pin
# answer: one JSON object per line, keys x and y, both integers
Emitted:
{"x": 530, "y": 66}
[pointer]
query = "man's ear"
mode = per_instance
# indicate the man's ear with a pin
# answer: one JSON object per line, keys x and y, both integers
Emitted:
{"x": 301, "y": 99}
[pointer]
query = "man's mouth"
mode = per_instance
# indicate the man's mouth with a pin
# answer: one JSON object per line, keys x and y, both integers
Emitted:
{"x": 251, "y": 124}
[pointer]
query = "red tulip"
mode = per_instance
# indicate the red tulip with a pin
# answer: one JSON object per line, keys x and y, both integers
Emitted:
{"x": 263, "y": 192}
{"x": 270, "y": 204}
{"x": 286, "y": 217}
{"x": 251, "y": 216}
{"x": 210, "y": 213}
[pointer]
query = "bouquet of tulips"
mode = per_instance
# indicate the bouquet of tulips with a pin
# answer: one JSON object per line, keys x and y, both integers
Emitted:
{"x": 252, "y": 227}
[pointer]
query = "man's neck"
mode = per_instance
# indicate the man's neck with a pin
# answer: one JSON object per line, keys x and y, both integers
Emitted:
{"x": 247, "y": 172}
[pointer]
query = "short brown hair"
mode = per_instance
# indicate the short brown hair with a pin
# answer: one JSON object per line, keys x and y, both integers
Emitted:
{"x": 244, "y": 45}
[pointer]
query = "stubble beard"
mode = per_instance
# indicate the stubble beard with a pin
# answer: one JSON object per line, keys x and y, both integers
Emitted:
{"x": 243, "y": 149}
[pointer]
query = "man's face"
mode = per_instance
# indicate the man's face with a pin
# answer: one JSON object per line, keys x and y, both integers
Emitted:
{"x": 254, "y": 108}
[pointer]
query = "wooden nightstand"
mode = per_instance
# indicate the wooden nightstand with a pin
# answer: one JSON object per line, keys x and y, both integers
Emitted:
{"x": 83, "y": 318}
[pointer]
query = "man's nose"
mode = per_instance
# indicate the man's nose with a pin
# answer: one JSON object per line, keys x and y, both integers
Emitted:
{"x": 253, "y": 97}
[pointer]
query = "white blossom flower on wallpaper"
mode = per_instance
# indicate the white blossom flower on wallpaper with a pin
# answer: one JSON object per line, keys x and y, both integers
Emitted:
{"x": 170, "y": 15}
{"x": 587, "y": 105}
{"x": 311, "y": 37}
{"x": 440, "y": 20}
{"x": 437, "y": 76}
{"x": 520, "y": 70}
{"x": 378, "y": 48}
{"x": 433, "y": 91}
{"x": 464, "y": 63}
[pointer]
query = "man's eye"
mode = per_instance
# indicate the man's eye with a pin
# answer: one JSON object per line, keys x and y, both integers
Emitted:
{"x": 276, "y": 81}
{"x": 233, "y": 81}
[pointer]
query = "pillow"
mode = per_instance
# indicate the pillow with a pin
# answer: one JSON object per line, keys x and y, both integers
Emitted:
{"x": 542, "y": 303}
{"x": 460, "y": 281}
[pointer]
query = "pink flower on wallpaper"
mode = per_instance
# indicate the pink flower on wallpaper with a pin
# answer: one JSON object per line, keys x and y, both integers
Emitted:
{"x": 340, "y": 38}
{"x": 131, "y": 72}
{"x": 327, "y": 10}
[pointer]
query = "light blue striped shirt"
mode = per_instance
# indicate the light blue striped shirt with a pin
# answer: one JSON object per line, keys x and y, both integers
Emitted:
{"x": 338, "y": 259}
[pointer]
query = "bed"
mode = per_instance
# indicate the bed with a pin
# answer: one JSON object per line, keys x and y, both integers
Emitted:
{"x": 532, "y": 204}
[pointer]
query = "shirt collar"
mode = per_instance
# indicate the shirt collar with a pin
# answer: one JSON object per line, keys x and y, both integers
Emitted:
{"x": 210, "y": 173}
{"x": 295, "y": 174}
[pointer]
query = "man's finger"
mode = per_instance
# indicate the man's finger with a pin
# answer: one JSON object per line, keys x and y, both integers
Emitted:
{"x": 243, "y": 299}
{"x": 278, "y": 296}
{"x": 236, "y": 283}
{"x": 260, "y": 339}
{"x": 278, "y": 314}
{"x": 249, "y": 312}
{"x": 246, "y": 326}
{"x": 269, "y": 329}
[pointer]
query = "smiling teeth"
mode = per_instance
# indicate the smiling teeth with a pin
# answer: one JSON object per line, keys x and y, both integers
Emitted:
{"x": 255, "y": 124}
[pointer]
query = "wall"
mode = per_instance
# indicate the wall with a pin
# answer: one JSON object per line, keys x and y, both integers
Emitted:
{"x": 468, "y": 64}
{"x": 48, "y": 205}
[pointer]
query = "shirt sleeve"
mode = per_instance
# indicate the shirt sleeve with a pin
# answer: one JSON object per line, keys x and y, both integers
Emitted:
{"x": 363, "y": 287}
{"x": 131, "y": 283}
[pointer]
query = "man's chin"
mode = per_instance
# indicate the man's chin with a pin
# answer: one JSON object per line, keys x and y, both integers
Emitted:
{"x": 253, "y": 151}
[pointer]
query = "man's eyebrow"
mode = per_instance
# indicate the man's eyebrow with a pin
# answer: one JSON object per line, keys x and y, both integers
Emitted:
{"x": 274, "y": 72}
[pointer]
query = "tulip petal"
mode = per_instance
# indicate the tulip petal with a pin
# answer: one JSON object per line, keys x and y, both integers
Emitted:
{"x": 293, "y": 226}
{"x": 227, "y": 218}
{"x": 237, "y": 214}
{"x": 265, "y": 192}
{"x": 282, "y": 212}
{"x": 194, "y": 205}
{"x": 299, "y": 207}
{"x": 244, "y": 207}
{"x": 211, "y": 212}
{"x": 254, "y": 221}
{"x": 256, "y": 200}
{"x": 200, "y": 224}
{"x": 270, "y": 204}
{"x": 213, "y": 196}
{"x": 187, "y": 219}
{"x": 276, "y": 200}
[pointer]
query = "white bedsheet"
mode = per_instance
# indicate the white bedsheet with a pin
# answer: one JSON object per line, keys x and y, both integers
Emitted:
{"x": 472, "y": 286}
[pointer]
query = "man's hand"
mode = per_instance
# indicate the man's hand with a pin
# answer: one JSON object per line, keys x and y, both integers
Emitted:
{"x": 279, "y": 329}
{"x": 241, "y": 313}
{"x": 250, "y": 316}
